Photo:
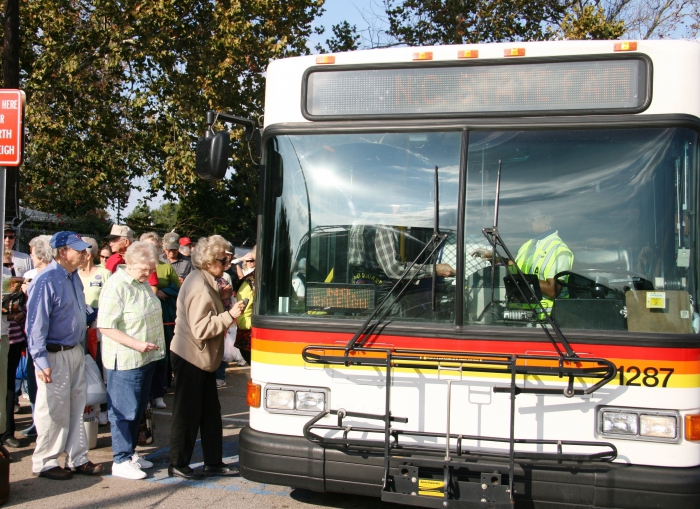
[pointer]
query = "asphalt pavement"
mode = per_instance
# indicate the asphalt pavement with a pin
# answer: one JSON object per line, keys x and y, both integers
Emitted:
{"x": 159, "y": 490}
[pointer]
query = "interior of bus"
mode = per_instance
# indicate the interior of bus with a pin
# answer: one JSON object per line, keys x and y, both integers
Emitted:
{"x": 622, "y": 201}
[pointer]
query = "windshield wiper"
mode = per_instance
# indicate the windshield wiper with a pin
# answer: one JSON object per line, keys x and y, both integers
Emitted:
{"x": 437, "y": 240}
{"x": 495, "y": 240}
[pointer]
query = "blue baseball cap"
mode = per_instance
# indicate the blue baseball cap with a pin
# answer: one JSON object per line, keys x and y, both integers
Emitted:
{"x": 70, "y": 239}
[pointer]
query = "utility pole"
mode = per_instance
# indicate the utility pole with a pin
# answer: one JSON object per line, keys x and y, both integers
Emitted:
{"x": 11, "y": 80}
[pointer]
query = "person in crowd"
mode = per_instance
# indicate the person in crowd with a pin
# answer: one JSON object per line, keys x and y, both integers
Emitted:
{"x": 226, "y": 288}
{"x": 185, "y": 246}
{"x": 21, "y": 261}
{"x": 93, "y": 278}
{"x": 41, "y": 254}
{"x": 133, "y": 343}
{"x": 171, "y": 254}
{"x": 166, "y": 286}
{"x": 17, "y": 343}
{"x": 56, "y": 323}
{"x": 246, "y": 291}
{"x": 105, "y": 253}
{"x": 196, "y": 352}
{"x": 119, "y": 239}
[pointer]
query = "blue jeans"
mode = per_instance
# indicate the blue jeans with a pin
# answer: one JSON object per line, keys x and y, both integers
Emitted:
{"x": 128, "y": 392}
{"x": 221, "y": 371}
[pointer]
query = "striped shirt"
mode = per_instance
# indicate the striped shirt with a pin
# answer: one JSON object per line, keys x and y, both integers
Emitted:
{"x": 133, "y": 308}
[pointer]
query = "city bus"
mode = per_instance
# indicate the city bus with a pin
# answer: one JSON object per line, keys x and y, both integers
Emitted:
{"x": 400, "y": 347}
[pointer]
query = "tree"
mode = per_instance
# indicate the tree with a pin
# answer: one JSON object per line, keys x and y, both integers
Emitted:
{"x": 651, "y": 19}
{"x": 165, "y": 216}
{"x": 345, "y": 38}
{"x": 118, "y": 90}
{"x": 426, "y": 22}
{"x": 589, "y": 22}
{"x": 140, "y": 219}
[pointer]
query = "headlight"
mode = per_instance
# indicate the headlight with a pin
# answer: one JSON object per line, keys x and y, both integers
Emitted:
{"x": 311, "y": 401}
{"x": 296, "y": 399}
{"x": 279, "y": 399}
{"x": 618, "y": 422}
{"x": 660, "y": 426}
{"x": 638, "y": 424}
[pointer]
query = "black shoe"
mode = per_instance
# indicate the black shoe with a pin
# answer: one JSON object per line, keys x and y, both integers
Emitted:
{"x": 222, "y": 469}
{"x": 57, "y": 474}
{"x": 184, "y": 472}
{"x": 12, "y": 442}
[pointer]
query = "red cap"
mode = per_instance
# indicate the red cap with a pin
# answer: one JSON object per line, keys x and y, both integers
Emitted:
{"x": 185, "y": 241}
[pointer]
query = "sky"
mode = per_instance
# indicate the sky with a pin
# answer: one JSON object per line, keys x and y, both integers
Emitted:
{"x": 337, "y": 11}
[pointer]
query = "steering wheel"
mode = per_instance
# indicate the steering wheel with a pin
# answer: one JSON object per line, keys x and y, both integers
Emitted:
{"x": 582, "y": 287}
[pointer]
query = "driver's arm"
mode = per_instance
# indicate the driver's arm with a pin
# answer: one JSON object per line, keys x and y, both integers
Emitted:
{"x": 550, "y": 288}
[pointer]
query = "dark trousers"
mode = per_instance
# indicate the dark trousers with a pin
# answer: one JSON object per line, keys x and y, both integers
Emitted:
{"x": 31, "y": 379}
{"x": 196, "y": 408}
{"x": 13, "y": 359}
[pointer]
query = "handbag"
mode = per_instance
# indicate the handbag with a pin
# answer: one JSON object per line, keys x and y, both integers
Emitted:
{"x": 231, "y": 353}
{"x": 96, "y": 390}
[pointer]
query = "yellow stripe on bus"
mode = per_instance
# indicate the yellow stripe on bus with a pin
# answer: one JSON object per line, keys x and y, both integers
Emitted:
{"x": 648, "y": 375}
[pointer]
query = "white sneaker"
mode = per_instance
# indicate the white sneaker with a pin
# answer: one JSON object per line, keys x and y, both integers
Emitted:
{"x": 128, "y": 470}
{"x": 159, "y": 403}
{"x": 221, "y": 384}
{"x": 102, "y": 419}
{"x": 140, "y": 461}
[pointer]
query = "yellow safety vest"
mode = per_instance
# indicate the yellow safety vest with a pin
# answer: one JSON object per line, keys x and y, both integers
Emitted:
{"x": 539, "y": 261}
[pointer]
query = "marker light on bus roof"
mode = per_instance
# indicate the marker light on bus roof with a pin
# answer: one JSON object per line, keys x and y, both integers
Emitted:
{"x": 325, "y": 59}
{"x": 626, "y": 46}
{"x": 692, "y": 427}
{"x": 514, "y": 52}
{"x": 423, "y": 55}
{"x": 468, "y": 53}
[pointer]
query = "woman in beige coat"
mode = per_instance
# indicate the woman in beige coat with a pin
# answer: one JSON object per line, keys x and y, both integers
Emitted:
{"x": 195, "y": 352}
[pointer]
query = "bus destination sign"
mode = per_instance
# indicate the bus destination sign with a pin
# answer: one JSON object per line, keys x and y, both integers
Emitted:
{"x": 582, "y": 86}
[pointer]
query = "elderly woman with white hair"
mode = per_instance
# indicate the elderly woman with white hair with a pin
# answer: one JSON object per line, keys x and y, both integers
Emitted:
{"x": 196, "y": 352}
{"x": 132, "y": 343}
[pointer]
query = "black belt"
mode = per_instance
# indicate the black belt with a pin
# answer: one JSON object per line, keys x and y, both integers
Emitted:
{"x": 53, "y": 347}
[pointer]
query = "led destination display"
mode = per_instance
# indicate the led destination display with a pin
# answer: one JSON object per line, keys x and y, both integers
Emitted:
{"x": 541, "y": 87}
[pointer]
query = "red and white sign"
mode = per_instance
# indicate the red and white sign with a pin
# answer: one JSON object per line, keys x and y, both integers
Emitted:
{"x": 11, "y": 128}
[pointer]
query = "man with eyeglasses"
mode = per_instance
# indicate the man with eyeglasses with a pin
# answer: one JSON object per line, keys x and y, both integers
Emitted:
{"x": 21, "y": 262}
{"x": 119, "y": 239}
{"x": 56, "y": 321}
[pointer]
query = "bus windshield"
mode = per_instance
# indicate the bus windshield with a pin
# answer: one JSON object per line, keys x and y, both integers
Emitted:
{"x": 603, "y": 219}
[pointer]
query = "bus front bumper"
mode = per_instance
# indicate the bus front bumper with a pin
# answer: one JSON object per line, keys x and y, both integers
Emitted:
{"x": 296, "y": 462}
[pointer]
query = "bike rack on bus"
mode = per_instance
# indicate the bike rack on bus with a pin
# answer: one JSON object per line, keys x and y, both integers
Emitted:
{"x": 403, "y": 459}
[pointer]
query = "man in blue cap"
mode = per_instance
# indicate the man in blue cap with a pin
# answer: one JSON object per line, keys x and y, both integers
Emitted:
{"x": 56, "y": 321}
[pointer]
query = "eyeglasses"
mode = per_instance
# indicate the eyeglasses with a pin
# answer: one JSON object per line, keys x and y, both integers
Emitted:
{"x": 142, "y": 269}
{"x": 532, "y": 219}
{"x": 103, "y": 257}
{"x": 8, "y": 265}
{"x": 250, "y": 261}
{"x": 11, "y": 236}
{"x": 222, "y": 261}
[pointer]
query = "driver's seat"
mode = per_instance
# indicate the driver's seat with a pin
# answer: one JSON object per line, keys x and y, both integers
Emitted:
{"x": 603, "y": 259}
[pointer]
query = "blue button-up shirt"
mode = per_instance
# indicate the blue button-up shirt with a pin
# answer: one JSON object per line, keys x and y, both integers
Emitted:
{"x": 55, "y": 311}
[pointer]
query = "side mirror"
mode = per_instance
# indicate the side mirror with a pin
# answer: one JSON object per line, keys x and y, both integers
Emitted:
{"x": 212, "y": 155}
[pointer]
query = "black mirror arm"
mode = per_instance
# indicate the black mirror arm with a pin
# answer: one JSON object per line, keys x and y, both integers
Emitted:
{"x": 252, "y": 133}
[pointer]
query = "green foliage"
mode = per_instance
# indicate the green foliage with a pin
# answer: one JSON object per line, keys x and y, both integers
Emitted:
{"x": 589, "y": 22}
{"x": 118, "y": 90}
{"x": 427, "y": 22}
{"x": 165, "y": 216}
{"x": 345, "y": 38}
{"x": 140, "y": 219}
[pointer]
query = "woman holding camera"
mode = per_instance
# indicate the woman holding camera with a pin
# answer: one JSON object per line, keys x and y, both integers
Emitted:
{"x": 196, "y": 352}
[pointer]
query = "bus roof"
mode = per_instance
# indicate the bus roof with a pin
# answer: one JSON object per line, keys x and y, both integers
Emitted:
{"x": 674, "y": 70}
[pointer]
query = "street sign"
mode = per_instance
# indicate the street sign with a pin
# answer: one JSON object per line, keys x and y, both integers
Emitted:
{"x": 11, "y": 127}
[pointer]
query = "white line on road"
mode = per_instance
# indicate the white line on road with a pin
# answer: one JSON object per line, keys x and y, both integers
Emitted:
{"x": 227, "y": 419}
